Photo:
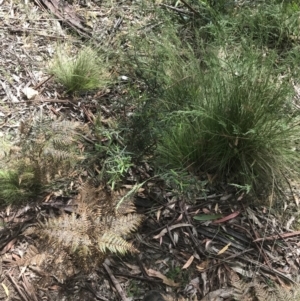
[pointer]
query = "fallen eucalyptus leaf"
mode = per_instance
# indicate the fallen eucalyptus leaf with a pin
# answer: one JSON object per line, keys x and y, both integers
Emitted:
{"x": 207, "y": 217}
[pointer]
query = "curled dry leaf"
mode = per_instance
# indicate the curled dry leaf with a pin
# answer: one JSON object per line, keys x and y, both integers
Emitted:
{"x": 203, "y": 265}
{"x": 165, "y": 230}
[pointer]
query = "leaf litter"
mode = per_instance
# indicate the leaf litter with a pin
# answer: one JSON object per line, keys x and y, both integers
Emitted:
{"x": 187, "y": 258}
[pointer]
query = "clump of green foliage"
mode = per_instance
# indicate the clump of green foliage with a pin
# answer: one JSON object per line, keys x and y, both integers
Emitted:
{"x": 47, "y": 152}
{"x": 82, "y": 72}
{"x": 271, "y": 25}
{"x": 111, "y": 154}
{"x": 18, "y": 185}
{"x": 222, "y": 107}
{"x": 237, "y": 123}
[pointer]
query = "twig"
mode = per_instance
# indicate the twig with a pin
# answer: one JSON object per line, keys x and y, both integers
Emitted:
{"x": 32, "y": 30}
{"x": 178, "y": 10}
{"x": 167, "y": 229}
{"x": 171, "y": 237}
{"x": 139, "y": 278}
{"x": 29, "y": 288}
{"x": 260, "y": 247}
{"x": 290, "y": 186}
{"x": 42, "y": 100}
{"x": 227, "y": 259}
{"x": 199, "y": 248}
{"x": 278, "y": 235}
{"x": 144, "y": 272}
{"x": 267, "y": 269}
{"x": 88, "y": 115}
{"x": 285, "y": 235}
{"x": 115, "y": 282}
{"x": 95, "y": 293}
{"x": 43, "y": 82}
{"x": 17, "y": 287}
{"x": 192, "y": 9}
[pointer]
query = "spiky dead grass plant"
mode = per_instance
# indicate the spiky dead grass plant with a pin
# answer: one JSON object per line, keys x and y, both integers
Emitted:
{"x": 95, "y": 228}
{"x": 256, "y": 290}
{"x": 82, "y": 72}
{"x": 237, "y": 123}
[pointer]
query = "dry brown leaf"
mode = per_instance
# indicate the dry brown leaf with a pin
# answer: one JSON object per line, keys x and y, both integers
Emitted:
{"x": 158, "y": 213}
{"x": 134, "y": 268}
{"x": 205, "y": 210}
{"x": 5, "y": 289}
{"x": 8, "y": 246}
{"x": 167, "y": 281}
{"x": 188, "y": 263}
{"x": 224, "y": 249}
{"x": 203, "y": 265}
{"x": 164, "y": 231}
{"x": 226, "y": 197}
{"x": 179, "y": 218}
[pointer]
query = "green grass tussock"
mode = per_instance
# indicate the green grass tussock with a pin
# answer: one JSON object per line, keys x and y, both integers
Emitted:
{"x": 83, "y": 72}
{"x": 218, "y": 96}
{"x": 237, "y": 123}
{"x": 267, "y": 25}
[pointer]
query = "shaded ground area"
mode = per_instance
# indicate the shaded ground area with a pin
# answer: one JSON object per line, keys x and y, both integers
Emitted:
{"x": 217, "y": 240}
